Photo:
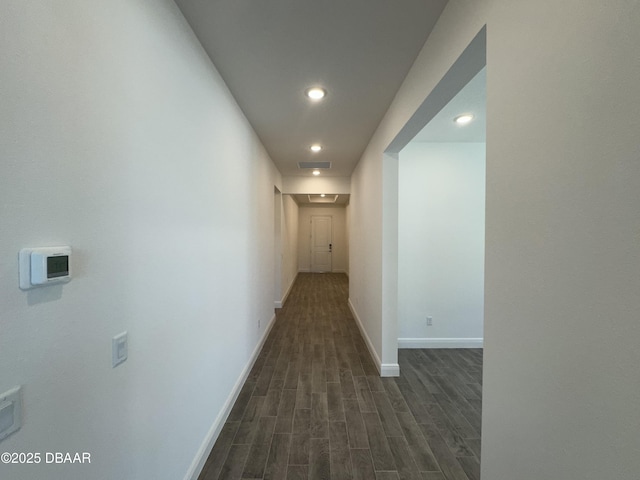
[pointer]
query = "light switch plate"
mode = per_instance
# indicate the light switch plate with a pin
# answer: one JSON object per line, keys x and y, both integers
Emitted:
{"x": 119, "y": 349}
{"x": 10, "y": 412}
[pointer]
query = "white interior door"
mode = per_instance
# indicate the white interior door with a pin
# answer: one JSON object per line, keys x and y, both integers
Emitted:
{"x": 321, "y": 243}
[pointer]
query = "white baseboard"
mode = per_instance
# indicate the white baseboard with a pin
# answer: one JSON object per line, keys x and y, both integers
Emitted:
{"x": 389, "y": 370}
{"x": 279, "y": 304}
{"x": 385, "y": 369}
{"x": 440, "y": 342}
{"x": 303, "y": 270}
{"x": 214, "y": 431}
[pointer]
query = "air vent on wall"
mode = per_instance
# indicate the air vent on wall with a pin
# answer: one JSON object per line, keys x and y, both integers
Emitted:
{"x": 314, "y": 164}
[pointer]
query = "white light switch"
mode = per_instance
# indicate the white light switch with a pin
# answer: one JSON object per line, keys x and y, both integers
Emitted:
{"x": 10, "y": 412}
{"x": 119, "y": 349}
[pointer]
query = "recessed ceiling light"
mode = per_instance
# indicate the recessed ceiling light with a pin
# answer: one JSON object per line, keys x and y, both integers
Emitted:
{"x": 322, "y": 195}
{"x": 463, "y": 119}
{"x": 316, "y": 93}
{"x": 316, "y": 172}
{"x": 315, "y": 148}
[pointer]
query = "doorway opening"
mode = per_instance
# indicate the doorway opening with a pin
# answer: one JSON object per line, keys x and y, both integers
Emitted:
{"x": 468, "y": 65}
{"x": 277, "y": 247}
{"x": 441, "y": 227}
{"x": 433, "y": 250}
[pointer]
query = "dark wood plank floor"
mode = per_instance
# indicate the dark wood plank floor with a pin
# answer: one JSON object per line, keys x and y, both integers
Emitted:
{"x": 314, "y": 407}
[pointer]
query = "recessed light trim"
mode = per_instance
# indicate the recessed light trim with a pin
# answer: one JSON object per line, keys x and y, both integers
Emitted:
{"x": 316, "y": 172}
{"x": 315, "y": 148}
{"x": 463, "y": 119}
{"x": 316, "y": 93}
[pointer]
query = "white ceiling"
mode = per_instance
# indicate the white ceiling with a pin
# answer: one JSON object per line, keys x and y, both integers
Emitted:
{"x": 471, "y": 99}
{"x": 270, "y": 52}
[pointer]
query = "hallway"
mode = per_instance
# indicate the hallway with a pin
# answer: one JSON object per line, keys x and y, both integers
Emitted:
{"x": 314, "y": 406}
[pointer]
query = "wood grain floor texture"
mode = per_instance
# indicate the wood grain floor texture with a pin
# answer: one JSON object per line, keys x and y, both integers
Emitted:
{"x": 314, "y": 407}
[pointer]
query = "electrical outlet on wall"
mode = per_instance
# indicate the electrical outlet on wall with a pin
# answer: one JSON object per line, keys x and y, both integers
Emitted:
{"x": 429, "y": 321}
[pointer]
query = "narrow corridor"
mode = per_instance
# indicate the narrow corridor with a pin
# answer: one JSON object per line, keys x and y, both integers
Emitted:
{"x": 314, "y": 407}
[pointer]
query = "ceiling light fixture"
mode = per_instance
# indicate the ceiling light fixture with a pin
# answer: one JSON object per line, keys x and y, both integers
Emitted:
{"x": 316, "y": 172}
{"x": 316, "y": 93}
{"x": 322, "y": 195}
{"x": 315, "y": 148}
{"x": 463, "y": 119}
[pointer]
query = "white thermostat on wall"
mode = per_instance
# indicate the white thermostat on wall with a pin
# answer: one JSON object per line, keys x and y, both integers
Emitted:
{"x": 44, "y": 266}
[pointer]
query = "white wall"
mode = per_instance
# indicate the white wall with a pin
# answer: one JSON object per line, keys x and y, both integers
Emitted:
{"x": 340, "y": 255}
{"x": 289, "y": 244}
{"x": 562, "y": 243}
{"x": 441, "y": 244}
{"x": 119, "y": 138}
{"x": 365, "y": 257}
